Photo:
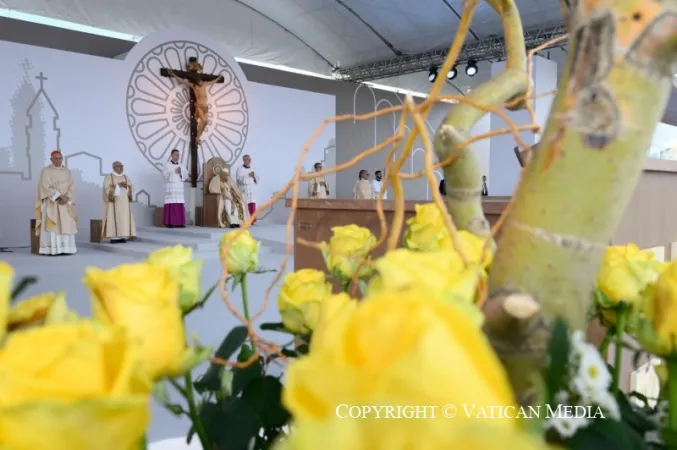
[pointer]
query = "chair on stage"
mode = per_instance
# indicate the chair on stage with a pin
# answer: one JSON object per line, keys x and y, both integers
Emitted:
{"x": 210, "y": 202}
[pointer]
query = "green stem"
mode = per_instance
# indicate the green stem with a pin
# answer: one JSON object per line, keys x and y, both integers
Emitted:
{"x": 194, "y": 414}
{"x": 672, "y": 392}
{"x": 245, "y": 304}
{"x": 143, "y": 445}
{"x": 621, "y": 316}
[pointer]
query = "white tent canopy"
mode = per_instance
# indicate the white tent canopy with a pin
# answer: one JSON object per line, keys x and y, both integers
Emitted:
{"x": 312, "y": 35}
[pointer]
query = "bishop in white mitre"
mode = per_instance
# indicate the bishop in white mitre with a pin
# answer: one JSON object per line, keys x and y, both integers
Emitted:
{"x": 232, "y": 211}
{"x": 247, "y": 182}
{"x": 318, "y": 186}
{"x": 118, "y": 220}
{"x": 56, "y": 220}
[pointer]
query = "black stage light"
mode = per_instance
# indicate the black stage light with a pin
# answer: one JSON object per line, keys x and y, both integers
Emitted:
{"x": 432, "y": 75}
{"x": 471, "y": 68}
{"x": 452, "y": 73}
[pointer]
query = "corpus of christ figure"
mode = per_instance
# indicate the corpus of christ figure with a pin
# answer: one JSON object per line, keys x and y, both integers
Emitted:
{"x": 198, "y": 83}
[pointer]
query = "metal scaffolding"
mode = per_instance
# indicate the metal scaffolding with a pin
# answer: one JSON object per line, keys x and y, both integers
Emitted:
{"x": 484, "y": 50}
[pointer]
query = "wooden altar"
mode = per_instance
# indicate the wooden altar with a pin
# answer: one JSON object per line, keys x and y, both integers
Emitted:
{"x": 210, "y": 202}
{"x": 315, "y": 218}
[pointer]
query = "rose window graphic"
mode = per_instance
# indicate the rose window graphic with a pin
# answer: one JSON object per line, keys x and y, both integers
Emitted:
{"x": 158, "y": 108}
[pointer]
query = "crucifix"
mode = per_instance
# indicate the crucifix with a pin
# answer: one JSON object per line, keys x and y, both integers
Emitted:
{"x": 197, "y": 83}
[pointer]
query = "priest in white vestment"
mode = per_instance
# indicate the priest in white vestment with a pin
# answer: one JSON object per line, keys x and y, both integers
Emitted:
{"x": 56, "y": 220}
{"x": 118, "y": 220}
{"x": 247, "y": 182}
{"x": 174, "y": 211}
{"x": 377, "y": 185}
{"x": 232, "y": 211}
{"x": 318, "y": 186}
{"x": 363, "y": 189}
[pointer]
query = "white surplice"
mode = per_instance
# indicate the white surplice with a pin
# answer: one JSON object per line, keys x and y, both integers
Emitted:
{"x": 377, "y": 186}
{"x": 174, "y": 183}
{"x": 247, "y": 184}
{"x": 56, "y": 224}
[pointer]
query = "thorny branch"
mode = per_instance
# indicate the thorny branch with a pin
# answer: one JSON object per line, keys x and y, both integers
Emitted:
{"x": 552, "y": 232}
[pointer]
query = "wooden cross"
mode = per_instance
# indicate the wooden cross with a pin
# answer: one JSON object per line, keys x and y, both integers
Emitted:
{"x": 193, "y": 75}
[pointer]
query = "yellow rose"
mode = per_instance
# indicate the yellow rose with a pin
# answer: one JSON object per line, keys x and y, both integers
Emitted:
{"x": 300, "y": 298}
{"x": 625, "y": 273}
{"x": 387, "y": 353}
{"x": 6, "y": 279}
{"x": 657, "y": 330}
{"x": 242, "y": 255}
{"x": 71, "y": 386}
{"x": 427, "y": 232}
{"x": 179, "y": 260}
{"x": 347, "y": 250}
{"x": 330, "y": 308}
{"x": 43, "y": 309}
{"x": 440, "y": 272}
{"x": 142, "y": 298}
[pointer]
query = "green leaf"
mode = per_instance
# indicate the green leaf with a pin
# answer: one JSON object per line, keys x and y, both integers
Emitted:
{"x": 633, "y": 416}
{"x": 21, "y": 286}
{"x": 669, "y": 438}
{"x": 606, "y": 434}
{"x": 264, "y": 395}
{"x": 243, "y": 376}
{"x": 202, "y": 302}
{"x": 239, "y": 424}
{"x": 211, "y": 379}
{"x": 275, "y": 326}
{"x": 558, "y": 349}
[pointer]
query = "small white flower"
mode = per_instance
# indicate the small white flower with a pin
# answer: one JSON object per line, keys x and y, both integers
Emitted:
{"x": 592, "y": 375}
{"x": 567, "y": 426}
{"x": 562, "y": 398}
{"x": 608, "y": 403}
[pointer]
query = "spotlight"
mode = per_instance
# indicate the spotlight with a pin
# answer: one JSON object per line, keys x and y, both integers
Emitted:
{"x": 452, "y": 73}
{"x": 432, "y": 75}
{"x": 471, "y": 68}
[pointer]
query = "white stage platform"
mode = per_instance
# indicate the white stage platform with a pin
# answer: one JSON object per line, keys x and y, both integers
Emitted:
{"x": 204, "y": 241}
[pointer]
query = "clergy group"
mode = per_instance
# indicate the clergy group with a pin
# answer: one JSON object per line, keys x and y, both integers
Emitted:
{"x": 56, "y": 217}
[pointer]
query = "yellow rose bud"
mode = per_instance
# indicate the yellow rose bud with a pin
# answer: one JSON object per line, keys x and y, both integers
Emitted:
{"x": 142, "y": 298}
{"x": 427, "y": 232}
{"x": 330, "y": 307}
{"x": 43, "y": 309}
{"x": 387, "y": 353}
{"x": 179, "y": 260}
{"x": 71, "y": 386}
{"x": 242, "y": 255}
{"x": 625, "y": 273}
{"x": 658, "y": 331}
{"x": 347, "y": 251}
{"x": 6, "y": 279}
{"x": 300, "y": 298}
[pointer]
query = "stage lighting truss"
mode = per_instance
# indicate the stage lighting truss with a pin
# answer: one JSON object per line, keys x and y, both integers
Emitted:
{"x": 484, "y": 50}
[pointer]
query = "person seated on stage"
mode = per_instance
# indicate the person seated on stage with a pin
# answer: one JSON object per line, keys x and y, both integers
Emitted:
{"x": 56, "y": 220}
{"x": 363, "y": 189}
{"x": 318, "y": 186}
{"x": 232, "y": 212}
{"x": 118, "y": 221}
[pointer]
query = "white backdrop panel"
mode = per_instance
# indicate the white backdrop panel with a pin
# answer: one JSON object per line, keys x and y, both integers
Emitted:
{"x": 98, "y": 110}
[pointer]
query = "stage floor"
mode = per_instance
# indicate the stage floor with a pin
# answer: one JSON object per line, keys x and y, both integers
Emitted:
{"x": 211, "y": 323}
